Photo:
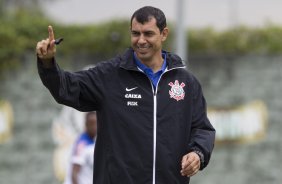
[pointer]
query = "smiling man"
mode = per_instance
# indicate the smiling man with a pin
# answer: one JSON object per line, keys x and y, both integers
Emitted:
{"x": 152, "y": 121}
{"x": 147, "y": 37}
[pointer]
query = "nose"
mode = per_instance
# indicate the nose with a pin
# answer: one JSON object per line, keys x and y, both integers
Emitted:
{"x": 141, "y": 39}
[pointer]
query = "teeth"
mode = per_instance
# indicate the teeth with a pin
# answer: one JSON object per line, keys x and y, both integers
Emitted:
{"x": 143, "y": 47}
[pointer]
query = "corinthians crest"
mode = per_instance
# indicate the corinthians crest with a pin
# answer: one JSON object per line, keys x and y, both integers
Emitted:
{"x": 177, "y": 92}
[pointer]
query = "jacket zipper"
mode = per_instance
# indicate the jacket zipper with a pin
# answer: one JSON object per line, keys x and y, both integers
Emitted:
{"x": 155, "y": 118}
{"x": 155, "y": 121}
{"x": 155, "y": 137}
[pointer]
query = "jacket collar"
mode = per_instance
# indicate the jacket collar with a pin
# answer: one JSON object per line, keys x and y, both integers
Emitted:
{"x": 128, "y": 63}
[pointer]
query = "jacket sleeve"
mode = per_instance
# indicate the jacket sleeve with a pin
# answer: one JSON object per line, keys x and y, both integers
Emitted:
{"x": 80, "y": 90}
{"x": 202, "y": 133}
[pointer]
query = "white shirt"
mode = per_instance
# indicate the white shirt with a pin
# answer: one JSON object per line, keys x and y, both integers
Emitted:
{"x": 86, "y": 161}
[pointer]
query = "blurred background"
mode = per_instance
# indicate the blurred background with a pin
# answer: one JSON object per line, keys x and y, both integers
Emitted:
{"x": 234, "y": 47}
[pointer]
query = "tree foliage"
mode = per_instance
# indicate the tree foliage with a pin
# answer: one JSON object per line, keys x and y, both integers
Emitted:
{"x": 240, "y": 40}
{"x": 20, "y": 32}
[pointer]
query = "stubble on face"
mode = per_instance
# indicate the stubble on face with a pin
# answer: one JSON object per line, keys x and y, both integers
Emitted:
{"x": 146, "y": 40}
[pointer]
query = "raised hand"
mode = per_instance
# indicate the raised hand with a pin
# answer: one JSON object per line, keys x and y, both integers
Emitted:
{"x": 46, "y": 49}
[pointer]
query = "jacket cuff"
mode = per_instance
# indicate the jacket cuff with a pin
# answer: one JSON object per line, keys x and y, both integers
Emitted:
{"x": 46, "y": 64}
{"x": 45, "y": 69}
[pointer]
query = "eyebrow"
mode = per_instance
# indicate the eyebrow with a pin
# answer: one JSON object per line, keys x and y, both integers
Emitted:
{"x": 145, "y": 32}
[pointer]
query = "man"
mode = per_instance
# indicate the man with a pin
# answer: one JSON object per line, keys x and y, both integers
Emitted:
{"x": 81, "y": 161}
{"x": 152, "y": 121}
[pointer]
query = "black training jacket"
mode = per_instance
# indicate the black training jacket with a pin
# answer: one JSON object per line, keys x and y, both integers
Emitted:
{"x": 142, "y": 133}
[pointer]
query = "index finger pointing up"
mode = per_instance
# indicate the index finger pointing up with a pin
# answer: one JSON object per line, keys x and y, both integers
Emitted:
{"x": 51, "y": 34}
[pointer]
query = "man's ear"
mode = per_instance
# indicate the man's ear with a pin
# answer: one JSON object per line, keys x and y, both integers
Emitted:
{"x": 165, "y": 33}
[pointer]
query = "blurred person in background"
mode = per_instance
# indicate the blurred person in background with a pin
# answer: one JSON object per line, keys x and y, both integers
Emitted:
{"x": 82, "y": 156}
{"x": 152, "y": 120}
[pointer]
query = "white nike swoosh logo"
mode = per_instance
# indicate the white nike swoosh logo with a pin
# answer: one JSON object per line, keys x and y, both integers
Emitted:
{"x": 130, "y": 89}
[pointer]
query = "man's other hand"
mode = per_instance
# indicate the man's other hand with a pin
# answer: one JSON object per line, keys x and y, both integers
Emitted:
{"x": 190, "y": 164}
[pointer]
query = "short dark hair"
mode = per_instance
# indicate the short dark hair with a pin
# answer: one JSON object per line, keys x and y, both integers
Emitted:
{"x": 144, "y": 15}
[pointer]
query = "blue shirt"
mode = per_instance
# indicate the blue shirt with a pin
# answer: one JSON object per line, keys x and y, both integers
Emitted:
{"x": 84, "y": 137}
{"x": 83, "y": 140}
{"x": 154, "y": 77}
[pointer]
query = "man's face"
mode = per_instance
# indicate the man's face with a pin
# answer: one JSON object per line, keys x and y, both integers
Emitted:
{"x": 146, "y": 39}
{"x": 91, "y": 125}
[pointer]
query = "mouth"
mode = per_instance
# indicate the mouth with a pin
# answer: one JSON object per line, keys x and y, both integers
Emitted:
{"x": 143, "y": 48}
